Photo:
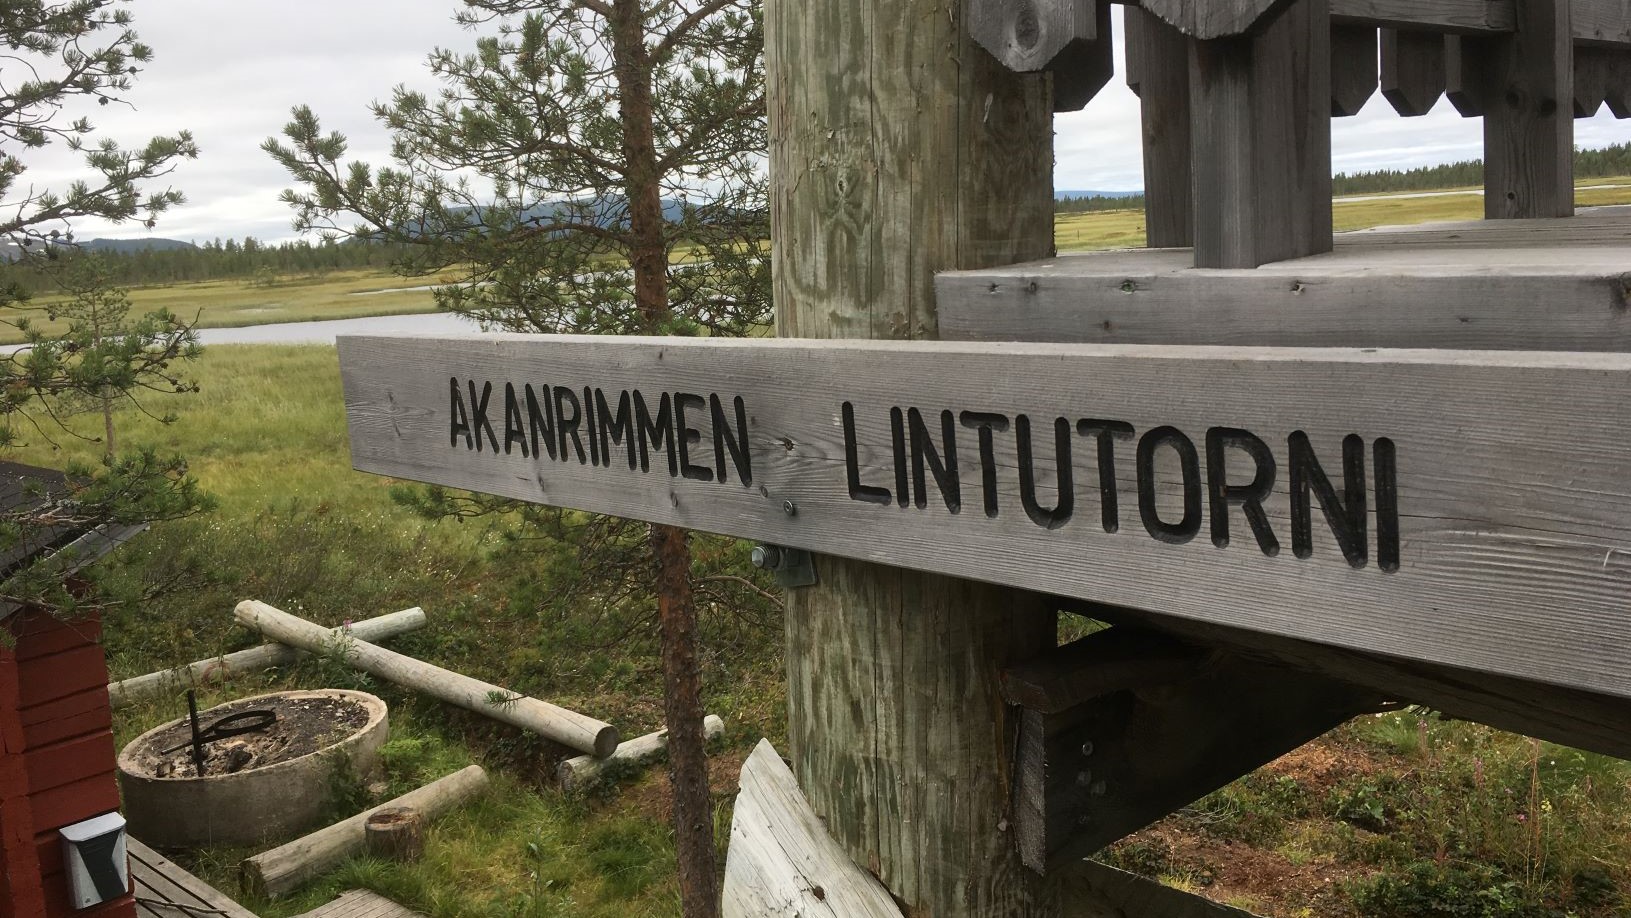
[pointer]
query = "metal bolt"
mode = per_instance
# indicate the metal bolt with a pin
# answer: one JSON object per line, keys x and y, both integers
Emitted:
{"x": 1098, "y": 789}
{"x": 1087, "y": 748}
{"x": 790, "y": 508}
{"x": 767, "y": 557}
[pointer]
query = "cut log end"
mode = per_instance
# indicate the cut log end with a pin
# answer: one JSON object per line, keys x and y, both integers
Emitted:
{"x": 395, "y": 833}
{"x": 606, "y": 741}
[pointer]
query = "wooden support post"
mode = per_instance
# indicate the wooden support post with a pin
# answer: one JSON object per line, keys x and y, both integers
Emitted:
{"x": 1528, "y": 119}
{"x": 897, "y": 729}
{"x": 1354, "y": 75}
{"x": 1161, "y": 55}
{"x": 1412, "y": 70}
{"x": 1102, "y": 758}
{"x": 1262, "y": 141}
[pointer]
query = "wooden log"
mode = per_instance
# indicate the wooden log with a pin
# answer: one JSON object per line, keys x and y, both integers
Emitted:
{"x": 1354, "y": 75}
{"x": 1528, "y": 445}
{"x": 1261, "y": 135}
{"x": 1412, "y": 70}
{"x": 1162, "y": 54}
{"x": 860, "y": 166}
{"x": 584, "y": 770}
{"x": 1529, "y": 138}
{"x": 1128, "y": 755}
{"x": 395, "y": 833}
{"x": 569, "y": 728}
{"x": 267, "y": 656}
{"x": 781, "y": 860}
{"x": 280, "y": 871}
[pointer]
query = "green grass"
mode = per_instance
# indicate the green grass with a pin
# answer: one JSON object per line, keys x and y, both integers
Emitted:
{"x": 236, "y": 303}
{"x": 1125, "y": 228}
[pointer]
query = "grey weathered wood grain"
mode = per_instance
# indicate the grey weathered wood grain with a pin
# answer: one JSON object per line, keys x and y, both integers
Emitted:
{"x": 1213, "y": 18}
{"x": 1601, "y": 22}
{"x": 1085, "y": 66}
{"x": 1030, "y": 36}
{"x": 1529, "y": 138}
{"x": 1592, "y": 67}
{"x": 1112, "y": 765}
{"x": 1162, "y": 56}
{"x": 1617, "y": 86}
{"x": 891, "y": 674}
{"x": 1466, "y": 79}
{"x": 1508, "y": 285}
{"x": 1515, "y": 520}
{"x": 1354, "y": 75}
{"x": 1471, "y": 17}
{"x": 781, "y": 860}
{"x": 1261, "y": 136}
{"x": 1412, "y": 70}
{"x": 164, "y": 888}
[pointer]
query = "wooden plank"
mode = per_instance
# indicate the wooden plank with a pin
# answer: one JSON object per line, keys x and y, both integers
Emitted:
{"x": 59, "y": 675}
{"x": 1445, "y": 296}
{"x": 1354, "y": 74}
{"x": 74, "y": 760}
{"x": 1261, "y": 135}
{"x": 1162, "y": 54}
{"x": 1466, "y": 77}
{"x": 41, "y": 635}
{"x": 1567, "y": 716}
{"x": 1084, "y": 66}
{"x": 1601, "y": 22}
{"x": 1116, "y": 763}
{"x": 1617, "y": 86}
{"x": 1093, "y": 890}
{"x": 781, "y": 859}
{"x": 69, "y": 803}
{"x": 1529, "y": 140}
{"x": 361, "y": 903}
{"x": 1501, "y": 541}
{"x": 158, "y": 879}
{"x": 1412, "y": 70}
{"x": 1592, "y": 68}
{"x": 1465, "y": 17}
{"x": 1118, "y": 659}
{"x": 1213, "y": 18}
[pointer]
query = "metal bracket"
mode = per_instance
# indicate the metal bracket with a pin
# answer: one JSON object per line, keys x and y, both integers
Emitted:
{"x": 793, "y": 567}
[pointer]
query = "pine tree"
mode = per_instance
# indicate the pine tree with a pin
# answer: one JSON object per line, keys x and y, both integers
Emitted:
{"x": 71, "y": 53}
{"x": 596, "y": 166}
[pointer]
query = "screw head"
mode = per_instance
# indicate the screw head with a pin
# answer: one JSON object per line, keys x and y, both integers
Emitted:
{"x": 790, "y": 508}
{"x": 1087, "y": 748}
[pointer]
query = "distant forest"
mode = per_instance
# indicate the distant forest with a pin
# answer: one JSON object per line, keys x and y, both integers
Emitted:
{"x": 1610, "y": 161}
{"x": 163, "y": 261}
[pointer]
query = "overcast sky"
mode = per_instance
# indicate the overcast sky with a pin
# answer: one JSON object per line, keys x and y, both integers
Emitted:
{"x": 229, "y": 70}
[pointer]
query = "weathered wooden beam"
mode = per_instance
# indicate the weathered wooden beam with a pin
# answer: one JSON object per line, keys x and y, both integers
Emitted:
{"x": 1088, "y": 889}
{"x": 1117, "y": 659}
{"x": 1161, "y": 56}
{"x": 1354, "y": 75}
{"x": 1412, "y": 70}
{"x": 1208, "y": 19}
{"x": 1592, "y": 67}
{"x": 1466, "y": 17}
{"x": 1495, "y": 533}
{"x": 892, "y": 674}
{"x": 1069, "y": 38}
{"x": 1617, "y": 86}
{"x": 782, "y": 861}
{"x": 1571, "y": 717}
{"x": 1261, "y": 135}
{"x": 1128, "y": 756}
{"x": 1605, "y": 23}
{"x": 1466, "y": 76}
{"x": 1529, "y": 135}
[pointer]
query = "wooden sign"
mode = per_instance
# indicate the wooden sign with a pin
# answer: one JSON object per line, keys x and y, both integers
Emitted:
{"x": 1461, "y": 508}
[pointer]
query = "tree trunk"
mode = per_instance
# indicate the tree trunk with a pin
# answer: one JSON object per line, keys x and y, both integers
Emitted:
{"x": 898, "y": 149}
{"x": 682, "y": 695}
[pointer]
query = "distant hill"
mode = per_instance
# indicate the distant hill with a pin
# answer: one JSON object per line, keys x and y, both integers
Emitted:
{"x": 1061, "y": 194}
{"x": 128, "y": 246}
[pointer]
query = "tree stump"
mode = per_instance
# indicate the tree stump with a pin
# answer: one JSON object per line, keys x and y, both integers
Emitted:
{"x": 395, "y": 833}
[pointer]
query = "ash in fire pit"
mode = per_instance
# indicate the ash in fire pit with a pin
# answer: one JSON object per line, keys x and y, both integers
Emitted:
{"x": 305, "y": 724}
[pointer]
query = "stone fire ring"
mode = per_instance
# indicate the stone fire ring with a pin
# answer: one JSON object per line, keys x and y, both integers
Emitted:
{"x": 247, "y": 807}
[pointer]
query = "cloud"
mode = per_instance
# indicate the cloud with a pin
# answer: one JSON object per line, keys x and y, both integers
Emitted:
{"x": 230, "y": 70}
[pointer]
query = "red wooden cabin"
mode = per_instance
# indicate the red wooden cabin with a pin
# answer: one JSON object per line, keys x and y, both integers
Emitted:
{"x": 56, "y": 724}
